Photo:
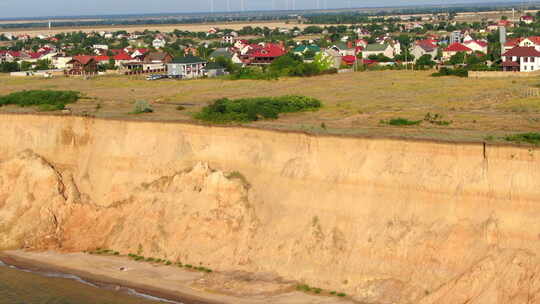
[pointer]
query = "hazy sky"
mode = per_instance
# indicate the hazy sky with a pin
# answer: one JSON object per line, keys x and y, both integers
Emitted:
{"x": 31, "y": 8}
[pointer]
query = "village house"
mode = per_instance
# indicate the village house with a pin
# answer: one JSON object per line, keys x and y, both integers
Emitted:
{"x": 453, "y": 49}
{"x": 213, "y": 69}
{"x": 505, "y": 23}
{"x": 477, "y": 45}
{"x": 378, "y": 49}
{"x": 59, "y": 61}
{"x": 301, "y": 50}
{"x": 335, "y": 57}
{"x": 186, "y": 67}
{"x": 159, "y": 42}
{"x": 81, "y": 65}
{"x": 265, "y": 54}
{"x": 229, "y": 39}
{"x": 345, "y": 49}
{"x": 157, "y": 58}
{"x": 424, "y": 47}
{"x": 527, "y": 19}
{"x": 521, "y": 59}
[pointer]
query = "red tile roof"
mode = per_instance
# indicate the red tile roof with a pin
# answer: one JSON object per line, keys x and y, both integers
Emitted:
{"x": 349, "y": 59}
{"x": 520, "y": 51}
{"x": 101, "y": 58}
{"x": 122, "y": 56}
{"x": 15, "y": 54}
{"x": 513, "y": 41}
{"x": 479, "y": 42}
{"x": 84, "y": 59}
{"x": 457, "y": 47}
{"x": 270, "y": 50}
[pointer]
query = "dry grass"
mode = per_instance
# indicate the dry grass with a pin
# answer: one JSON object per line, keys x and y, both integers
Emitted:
{"x": 355, "y": 103}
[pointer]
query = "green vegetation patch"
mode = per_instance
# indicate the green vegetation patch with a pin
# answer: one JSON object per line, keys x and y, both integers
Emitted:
{"x": 47, "y": 100}
{"x": 401, "y": 122}
{"x": 451, "y": 72}
{"x": 252, "y": 109}
{"x": 531, "y": 138}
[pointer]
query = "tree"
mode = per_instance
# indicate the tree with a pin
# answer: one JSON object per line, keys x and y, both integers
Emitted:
{"x": 42, "y": 65}
{"x": 25, "y": 66}
{"x": 458, "y": 58}
{"x": 323, "y": 62}
{"x": 8, "y": 67}
{"x": 227, "y": 63}
{"x": 425, "y": 61}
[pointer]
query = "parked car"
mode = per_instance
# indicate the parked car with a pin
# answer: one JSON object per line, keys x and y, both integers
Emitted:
{"x": 156, "y": 77}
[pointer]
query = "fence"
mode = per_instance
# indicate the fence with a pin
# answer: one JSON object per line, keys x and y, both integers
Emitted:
{"x": 497, "y": 74}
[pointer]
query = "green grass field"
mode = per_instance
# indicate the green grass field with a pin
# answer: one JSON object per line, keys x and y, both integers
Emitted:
{"x": 354, "y": 103}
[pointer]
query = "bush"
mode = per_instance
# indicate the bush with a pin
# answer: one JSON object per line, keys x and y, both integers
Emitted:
{"x": 251, "y": 109}
{"x": 451, "y": 72}
{"x": 401, "y": 122}
{"x": 436, "y": 119}
{"x": 142, "y": 106}
{"x": 531, "y": 138}
{"x": 180, "y": 108}
{"x": 341, "y": 294}
{"x": 47, "y": 100}
{"x": 303, "y": 287}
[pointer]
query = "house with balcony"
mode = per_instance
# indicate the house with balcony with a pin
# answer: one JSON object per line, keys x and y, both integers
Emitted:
{"x": 189, "y": 67}
{"x": 521, "y": 59}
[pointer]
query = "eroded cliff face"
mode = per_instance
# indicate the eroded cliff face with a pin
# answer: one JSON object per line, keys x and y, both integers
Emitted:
{"x": 388, "y": 221}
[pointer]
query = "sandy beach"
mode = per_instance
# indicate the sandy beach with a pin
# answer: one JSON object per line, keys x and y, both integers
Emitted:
{"x": 162, "y": 281}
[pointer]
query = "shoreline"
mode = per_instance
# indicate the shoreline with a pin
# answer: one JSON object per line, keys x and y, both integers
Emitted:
{"x": 158, "y": 281}
{"x": 101, "y": 282}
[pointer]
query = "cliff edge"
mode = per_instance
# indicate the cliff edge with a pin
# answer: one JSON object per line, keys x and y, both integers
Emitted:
{"x": 387, "y": 221}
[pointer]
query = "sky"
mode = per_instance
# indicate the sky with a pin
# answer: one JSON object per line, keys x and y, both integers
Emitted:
{"x": 36, "y": 8}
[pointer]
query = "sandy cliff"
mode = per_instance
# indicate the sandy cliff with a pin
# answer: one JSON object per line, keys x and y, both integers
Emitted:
{"x": 389, "y": 221}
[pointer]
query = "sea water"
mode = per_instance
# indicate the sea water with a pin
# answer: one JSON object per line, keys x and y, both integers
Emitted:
{"x": 18, "y": 286}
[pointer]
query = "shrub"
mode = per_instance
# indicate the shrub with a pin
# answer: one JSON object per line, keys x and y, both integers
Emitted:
{"x": 142, "y": 106}
{"x": 180, "y": 108}
{"x": 531, "y": 138}
{"x": 47, "y": 100}
{"x": 251, "y": 109}
{"x": 436, "y": 119}
{"x": 303, "y": 287}
{"x": 188, "y": 266}
{"x": 451, "y": 72}
{"x": 168, "y": 263}
{"x": 341, "y": 294}
{"x": 401, "y": 122}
